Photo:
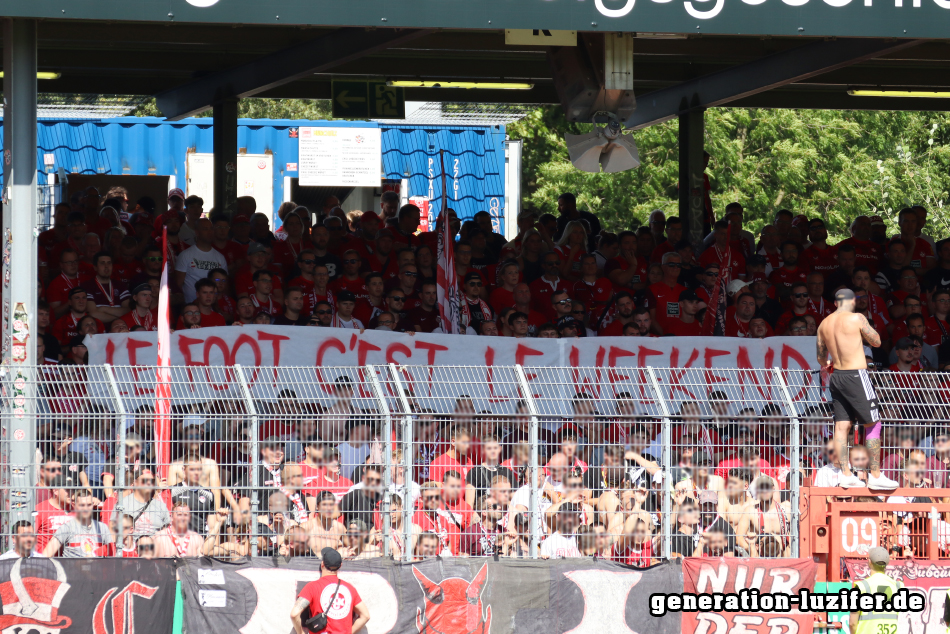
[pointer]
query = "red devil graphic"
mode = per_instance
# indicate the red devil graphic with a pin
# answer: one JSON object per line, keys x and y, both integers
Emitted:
{"x": 453, "y": 606}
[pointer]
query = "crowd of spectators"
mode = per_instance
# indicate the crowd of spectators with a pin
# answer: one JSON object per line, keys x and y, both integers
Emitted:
{"x": 317, "y": 477}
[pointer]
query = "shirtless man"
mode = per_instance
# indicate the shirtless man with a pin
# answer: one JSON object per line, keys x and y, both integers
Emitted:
{"x": 841, "y": 336}
{"x": 324, "y": 529}
{"x": 177, "y": 539}
{"x": 765, "y": 526}
{"x": 735, "y": 501}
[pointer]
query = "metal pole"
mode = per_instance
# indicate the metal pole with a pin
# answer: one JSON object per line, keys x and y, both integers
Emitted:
{"x": 224, "y": 145}
{"x": 387, "y": 456}
{"x": 407, "y": 461}
{"x": 255, "y": 453}
{"x": 692, "y": 198}
{"x": 18, "y": 341}
{"x": 534, "y": 525}
{"x": 119, "y": 482}
{"x": 795, "y": 442}
{"x": 666, "y": 441}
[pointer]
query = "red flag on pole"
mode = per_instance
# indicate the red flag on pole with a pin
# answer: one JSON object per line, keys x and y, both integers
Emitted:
{"x": 163, "y": 388}
{"x": 447, "y": 282}
{"x": 714, "y": 322}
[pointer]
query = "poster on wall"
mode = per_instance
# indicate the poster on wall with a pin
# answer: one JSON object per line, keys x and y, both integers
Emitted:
{"x": 350, "y": 157}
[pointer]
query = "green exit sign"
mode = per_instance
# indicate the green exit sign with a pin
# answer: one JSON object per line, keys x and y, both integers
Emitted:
{"x": 367, "y": 100}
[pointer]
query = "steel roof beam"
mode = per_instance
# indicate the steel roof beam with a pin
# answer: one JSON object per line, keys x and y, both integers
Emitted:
{"x": 770, "y": 72}
{"x": 281, "y": 67}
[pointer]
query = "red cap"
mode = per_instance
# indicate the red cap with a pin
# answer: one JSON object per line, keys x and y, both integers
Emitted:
{"x": 369, "y": 215}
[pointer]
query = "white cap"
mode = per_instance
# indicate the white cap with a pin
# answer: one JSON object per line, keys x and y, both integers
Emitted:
{"x": 735, "y": 286}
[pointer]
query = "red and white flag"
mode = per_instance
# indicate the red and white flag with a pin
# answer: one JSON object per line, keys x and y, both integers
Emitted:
{"x": 163, "y": 387}
{"x": 447, "y": 282}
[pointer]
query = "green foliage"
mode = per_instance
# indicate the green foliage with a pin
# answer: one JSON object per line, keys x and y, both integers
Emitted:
{"x": 827, "y": 163}
{"x": 312, "y": 109}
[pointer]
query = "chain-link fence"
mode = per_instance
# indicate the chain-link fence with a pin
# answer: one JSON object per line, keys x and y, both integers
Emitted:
{"x": 630, "y": 464}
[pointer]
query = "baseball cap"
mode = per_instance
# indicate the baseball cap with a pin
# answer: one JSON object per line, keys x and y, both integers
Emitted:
{"x": 879, "y": 556}
{"x": 472, "y": 275}
{"x": 76, "y": 289}
{"x": 256, "y": 247}
{"x": 756, "y": 260}
{"x": 759, "y": 278}
{"x": 369, "y": 215}
{"x": 904, "y": 343}
{"x": 345, "y": 296}
{"x": 844, "y": 294}
{"x": 566, "y": 322}
{"x": 176, "y": 192}
{"x": 735, "y": 286}
{"x": 331, "y": 558}
{"x": 688, "y": 296}
{"x": 77, "y": 340}
{"x": 877, "y": 221}
{"x": 708, "y": 497}
{"x": 144, "y": 286}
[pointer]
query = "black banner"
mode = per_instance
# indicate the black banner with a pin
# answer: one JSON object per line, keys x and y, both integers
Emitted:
{"x": 97, "y": 596}
{"x": 579, "y": 596}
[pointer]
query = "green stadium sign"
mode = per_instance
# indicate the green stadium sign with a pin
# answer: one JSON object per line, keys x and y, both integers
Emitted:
{"x": 867, "y": 18}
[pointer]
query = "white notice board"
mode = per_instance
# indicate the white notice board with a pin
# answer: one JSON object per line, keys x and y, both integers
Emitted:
{"x": 255, "y": 178}
{"x": 340, "y": 156}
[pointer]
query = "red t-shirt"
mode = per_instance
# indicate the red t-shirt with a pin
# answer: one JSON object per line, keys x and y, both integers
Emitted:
{"x": 666, "y": 301}
{"x": 723, "y": 469}
{"x": 206, "y": 321}
{"x": 919, "y": 254}
{"x": 124, "y": 271}
{"x": 66, "y": 327}
{"x": 244, "y": 282}
{"x": 786, "y": 278}
{"x": 149, "y": 322}
{"x": 565, "y": 253}
{"x": 866, "y": 253}
{"x": 365, "y": 311}
{"x": 782, "y": 324}
{"x": 500, "y": 299}
{"x": 48, "y": 521}
{"x": 933, "y": 333}
{"x": 338, "y": 487}
{"x": 339, "y": 610}
{"x": 541, "y": 291}
{"x": 593, "y": 295}
{"x": 445, "y": 463}
{"x": 734, "y": 261}
{"x": 679, "y": 328}
{"x": 819, "y": 260}
{"x": 426, "y": 320}
{"x": 357, "y": 287}
{"x": 232, "y": 252}
{"x": 58, "y": 289}
{"x": 643, "y": 266}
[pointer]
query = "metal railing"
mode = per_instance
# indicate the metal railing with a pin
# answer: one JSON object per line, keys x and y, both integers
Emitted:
{"x": 631, "y": 464}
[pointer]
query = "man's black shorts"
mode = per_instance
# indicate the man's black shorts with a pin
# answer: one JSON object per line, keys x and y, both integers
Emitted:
{"x": 853, "y": 397}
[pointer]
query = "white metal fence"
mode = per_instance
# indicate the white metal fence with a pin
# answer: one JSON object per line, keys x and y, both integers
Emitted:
{"x": 634, "y": 464}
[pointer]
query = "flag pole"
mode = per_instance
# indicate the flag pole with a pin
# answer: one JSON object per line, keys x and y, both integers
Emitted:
{"x": 163, "y": 373}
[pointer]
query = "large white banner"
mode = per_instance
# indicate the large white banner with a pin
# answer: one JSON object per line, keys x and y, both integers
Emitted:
{"x": 742, "y": 368}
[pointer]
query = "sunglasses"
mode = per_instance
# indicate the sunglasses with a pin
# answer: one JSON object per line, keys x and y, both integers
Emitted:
{"x": 374, "y": 480}
{"x": 430, "y": 497}
{"x": 577, "y": 312}
{"x": 396, "y": 298}
{"x": 151, "y": 258}
{"x": 564, "y": 301}
{"x": 799, "y": 295}
{"x": 146, "y": 548}
{"x": 410, "y": 274}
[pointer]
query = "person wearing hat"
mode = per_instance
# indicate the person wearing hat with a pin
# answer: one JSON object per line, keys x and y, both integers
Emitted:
{"x": 258, "y": 258}
{"x": 345, "y": 304}
{"x": 877, "y": 582}
{"x": 141, "y": 313}
{"x": 687, "y": 324}
{"x": 840, "y": 350}
{"x": 338, "y": 600}
{"x": 196, "y": 261}
{"x": 474, "y": 309}
{"x": 567, "y": 327}
{"x": 906, "y": 362}
{"x": 75, "y": 353}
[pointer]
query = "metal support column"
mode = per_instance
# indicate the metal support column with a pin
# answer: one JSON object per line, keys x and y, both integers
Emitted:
{"x": 387, "y": 456}
{"x": 407, "y": 454}
{"x": 796, "y": 443}
{"x": 255, "y": 452}
{"x": 119, "y": 481}
{"x": 692, "y": 199}
{"x": 534, "y": 524}
{"x": 20, "y": 252}
{"x": 666, "y": 441}
{"x": 225, "y": 156}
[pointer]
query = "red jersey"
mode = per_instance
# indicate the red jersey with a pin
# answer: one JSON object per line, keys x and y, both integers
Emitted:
{"x": 919, "y": 253}
{"x": 541, "y": 291}
{"x": 866, "y": 253}
{"x": 734, "y": 327}
{"x": 662, "y": 249}
{"x": 232, "y": 251}
{"x": 460, "y": 510}
{"x": 125, "y": 270}
{"x": 244, "y": 282}
{"x": 58, "y": 289}
{"x": 48, "y": 521}
{"x": 773, "y": 258}
{"x": 722, "y": 470}
{"x": 357, "y": 287}
{"x": 782, "y": 324}
{"x": 500, "y": 299}
{"x": 442, "y": 524}
{"x": 206, "y": 321}
{"x": 730, "y": 258}
{"x": 565, "y": 252}
{"x": 336, "y": 599}
{"x": 593, "y": 294}
{"x": 112, "y": 293}
{"x": 337, "y": 487}
{"x": 643, "y": 267}
{"x": 818, "y": 260}
{"x": 149, "y": 322}
{"x": 679, "y": 328}
{"x": 67, "y": 327}
{"x": 783, "y": 277}
{"x": 365, "y": 311}
{"x": 444, "y": 463}
{"x": 285, "y": 255}
{"x": 666, "y": 301}
{"x": 821, "y": 308}
{"x": 935, "y": 330}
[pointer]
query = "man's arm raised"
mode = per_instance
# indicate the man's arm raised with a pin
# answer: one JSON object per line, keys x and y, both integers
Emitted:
{"x": 869, "y": 334}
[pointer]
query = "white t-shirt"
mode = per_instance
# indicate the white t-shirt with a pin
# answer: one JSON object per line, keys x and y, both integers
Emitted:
{"x": 196, "y": 264}
{"x": 556, "y": 545}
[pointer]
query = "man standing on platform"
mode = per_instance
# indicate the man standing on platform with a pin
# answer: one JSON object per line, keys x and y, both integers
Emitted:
{"x": 840, "y": 343}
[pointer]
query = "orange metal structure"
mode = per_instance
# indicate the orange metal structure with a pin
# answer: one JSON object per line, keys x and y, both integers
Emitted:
{"x": 833, "y": 527}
